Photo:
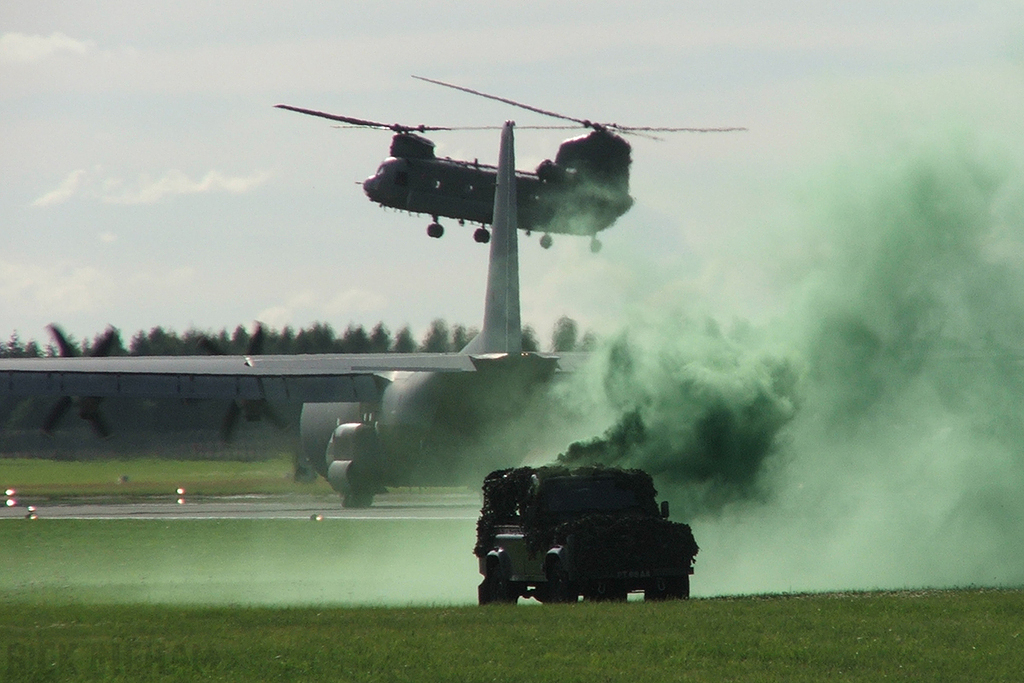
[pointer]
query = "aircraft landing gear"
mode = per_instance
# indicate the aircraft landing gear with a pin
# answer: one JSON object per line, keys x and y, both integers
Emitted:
{"x": 435, "y": 230}
{"x": 545, "y": 242}
{"x": 482, "y": 236}
{"x": 595, "y": 245}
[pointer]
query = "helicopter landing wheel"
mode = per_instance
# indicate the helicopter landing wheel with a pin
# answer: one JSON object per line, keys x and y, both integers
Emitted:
{"x": 545, "y": 241}
{"x": 481, "y": 235}
{"x": 435, "y": 230}
{"x": 595, "y": 245}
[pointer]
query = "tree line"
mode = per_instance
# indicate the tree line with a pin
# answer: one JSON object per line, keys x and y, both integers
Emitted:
{"x": 319, "y": 337}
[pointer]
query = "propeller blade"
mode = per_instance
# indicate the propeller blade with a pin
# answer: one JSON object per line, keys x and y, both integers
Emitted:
{"x": 273, "y": 417}
{"x": 105, "y": 344}
{"x": 207, "y": 345}
{"x": 230, "y": 423}
{"x": 255, "y": 347}
{"x": 56, "y": 414}
{"x": 89, "y": 410}
{"x": 67, "y": 350}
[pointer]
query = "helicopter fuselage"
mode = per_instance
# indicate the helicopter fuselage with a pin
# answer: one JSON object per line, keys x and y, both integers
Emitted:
{"x": 571, "y": 195}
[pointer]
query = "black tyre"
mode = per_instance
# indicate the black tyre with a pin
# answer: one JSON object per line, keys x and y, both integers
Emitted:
{"x": 608, "y": 593}
{"x": 675, "y": 588}
{"x": 496, "y": 588}
{"x": 560, "y": 589}
{"x": 357, "y": 499}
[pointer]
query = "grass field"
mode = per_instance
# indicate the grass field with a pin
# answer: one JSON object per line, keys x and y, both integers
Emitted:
{"x": 239, "y": 561}
{"x": 150, "y": 476}
{"x": 930, "y": 636}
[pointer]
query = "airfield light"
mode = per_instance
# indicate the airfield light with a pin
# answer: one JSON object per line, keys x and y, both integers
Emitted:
{"x": 10, "y": 492}
{"x": 11, "y": 502}
{"x": 181, "y": 491}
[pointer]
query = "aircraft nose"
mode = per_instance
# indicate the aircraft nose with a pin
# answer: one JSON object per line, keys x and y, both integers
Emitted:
{"x": 370, "y": 186}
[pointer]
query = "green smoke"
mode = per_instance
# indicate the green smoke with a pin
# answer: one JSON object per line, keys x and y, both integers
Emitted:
{"x": 701, "y": 414}
{"x": 873, "y": 436}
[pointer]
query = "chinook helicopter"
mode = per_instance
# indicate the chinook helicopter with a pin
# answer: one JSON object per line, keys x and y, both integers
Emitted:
{"x": 581, "y": 192}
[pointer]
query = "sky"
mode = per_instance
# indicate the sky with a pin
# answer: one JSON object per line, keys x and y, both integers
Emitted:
{"x": 148, "y": 180}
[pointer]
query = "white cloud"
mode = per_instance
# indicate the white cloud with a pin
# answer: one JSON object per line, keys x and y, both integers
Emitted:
{"x": 58, "y": 289}
{"x": 22, "y": 48}
{"x": 313, "y": 305}
{"x": 175, "y": 182}
{"x": 65, "y": 191}
{"x": 146, "y": 190}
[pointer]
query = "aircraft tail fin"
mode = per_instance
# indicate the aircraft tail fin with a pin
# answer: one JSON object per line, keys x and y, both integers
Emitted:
{"x": 502, "y": 331}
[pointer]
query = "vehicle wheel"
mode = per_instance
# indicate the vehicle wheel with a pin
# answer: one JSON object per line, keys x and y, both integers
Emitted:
{"x": 496, "y": 587}
{"x": 677, "y": 588}
{"x": 435, "y": 230}
{"x": 481, "y": 235}
{"x": 611, "y": 593}
{"x": 545, "y": 241}
{"x": 357, "y": 499}
{"x": 560, "y": 589}
{"x": 660, "y": 589}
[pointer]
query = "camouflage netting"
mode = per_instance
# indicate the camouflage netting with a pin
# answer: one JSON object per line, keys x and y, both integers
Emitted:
{"x": 605, "y": 544}
{"x": 507, "y": 500}
{"x": 503, "y": 491}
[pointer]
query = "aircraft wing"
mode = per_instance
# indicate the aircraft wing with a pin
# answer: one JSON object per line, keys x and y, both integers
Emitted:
{"x": 320, "y": 378}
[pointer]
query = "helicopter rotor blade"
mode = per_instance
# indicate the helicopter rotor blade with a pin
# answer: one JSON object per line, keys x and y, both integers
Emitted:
{"x": 536, "y": 110}
{"x": 396, "y": 127}
{"x": 655, "y": 129}
{"x": 634, "y": 130}
{"x": 483, "y": 128}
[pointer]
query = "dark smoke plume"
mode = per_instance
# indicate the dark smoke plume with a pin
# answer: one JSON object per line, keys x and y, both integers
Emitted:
{"x": 703, "y": 417}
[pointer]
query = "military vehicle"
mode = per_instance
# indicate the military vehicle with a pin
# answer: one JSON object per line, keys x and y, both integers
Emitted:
{"x": 556, "y": 534}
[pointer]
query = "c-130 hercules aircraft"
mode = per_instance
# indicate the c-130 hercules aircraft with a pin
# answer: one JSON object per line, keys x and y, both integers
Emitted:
{"x": 583, "y": 191}
{"x": 368, "y": 420}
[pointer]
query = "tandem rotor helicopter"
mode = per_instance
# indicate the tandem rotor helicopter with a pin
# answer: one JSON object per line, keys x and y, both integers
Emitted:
{"x": 581, "y": 192}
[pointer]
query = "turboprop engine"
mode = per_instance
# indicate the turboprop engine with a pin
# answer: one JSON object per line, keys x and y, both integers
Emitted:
{"x": 343, "y": 447}
{"x": 354, "y": 459}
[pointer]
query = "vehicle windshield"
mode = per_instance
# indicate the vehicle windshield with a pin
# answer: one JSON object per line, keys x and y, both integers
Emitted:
{"x": 577, "y": 494}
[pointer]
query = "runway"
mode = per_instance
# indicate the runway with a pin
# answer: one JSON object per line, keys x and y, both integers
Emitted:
{"x": 387, "y": 506}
